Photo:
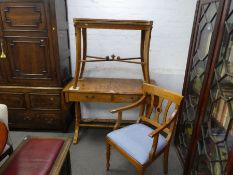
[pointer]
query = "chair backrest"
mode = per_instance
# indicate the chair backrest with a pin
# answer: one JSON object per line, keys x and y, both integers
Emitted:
{"x": 3, "y": 136}
{"x": 161, "y": 107}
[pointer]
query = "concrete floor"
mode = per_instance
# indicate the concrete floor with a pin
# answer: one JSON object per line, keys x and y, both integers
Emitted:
{"x": 88, "y": 156}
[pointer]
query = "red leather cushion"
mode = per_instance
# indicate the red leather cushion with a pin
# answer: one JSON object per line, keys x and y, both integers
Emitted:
{"x": 36, "y": 157}
{"x": 3, "y": 136}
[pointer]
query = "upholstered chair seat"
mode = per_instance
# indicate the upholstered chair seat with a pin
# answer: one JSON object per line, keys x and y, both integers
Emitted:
{"x": 135, "y": 140}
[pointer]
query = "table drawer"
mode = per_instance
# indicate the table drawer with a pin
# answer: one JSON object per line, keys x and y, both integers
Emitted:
{"x": 90, "y": 97}
{"x": 125, "y": 98}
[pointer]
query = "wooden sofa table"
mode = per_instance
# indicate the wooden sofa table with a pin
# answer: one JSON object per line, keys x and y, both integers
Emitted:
{"x": 101, "y": 90}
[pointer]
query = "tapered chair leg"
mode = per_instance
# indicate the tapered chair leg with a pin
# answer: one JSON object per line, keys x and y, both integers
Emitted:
{"x": 140, "y": 171}
{"x": 108, "y": 152}
{"x": 165, "y": 161}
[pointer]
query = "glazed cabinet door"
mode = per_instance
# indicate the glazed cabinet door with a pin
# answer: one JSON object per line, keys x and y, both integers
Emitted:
{"x": 216, "y": 140}
{"x": 208, "y": 12}
{"x": 26, "y": 33}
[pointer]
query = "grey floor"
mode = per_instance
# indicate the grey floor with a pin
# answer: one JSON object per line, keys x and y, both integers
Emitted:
{"x": 88, "y": 156}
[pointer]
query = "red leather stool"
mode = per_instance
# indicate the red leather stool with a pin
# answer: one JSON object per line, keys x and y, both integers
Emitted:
{"x": 39, "y": 156}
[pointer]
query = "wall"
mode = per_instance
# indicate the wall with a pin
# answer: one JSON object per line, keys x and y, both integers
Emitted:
{"x": 169, "y": 41}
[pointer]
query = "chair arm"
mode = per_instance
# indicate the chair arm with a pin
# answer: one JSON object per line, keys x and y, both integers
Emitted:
{"x": 155, "y": 135}
{"x": 133, "y": 105}
{"x": 162, "y": 127}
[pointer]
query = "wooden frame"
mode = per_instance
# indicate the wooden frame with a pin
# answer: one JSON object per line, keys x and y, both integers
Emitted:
{"x": 229, "y": 166}
{"x": 153, "y": 98}
{"x": 81, "y": 26}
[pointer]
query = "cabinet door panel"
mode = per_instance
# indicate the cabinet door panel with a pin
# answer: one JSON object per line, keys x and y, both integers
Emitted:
{"x": 23, "y": 15}
{"x": 28, "y": 60}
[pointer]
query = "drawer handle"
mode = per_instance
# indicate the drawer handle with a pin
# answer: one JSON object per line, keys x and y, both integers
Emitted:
{"x": 90, "y": 97}
{"x": 51, "y": 98}
{"x": 3, "y": 55}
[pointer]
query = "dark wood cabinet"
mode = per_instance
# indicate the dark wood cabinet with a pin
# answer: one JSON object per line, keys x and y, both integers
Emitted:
{"x": 34, "y": 37}
{"x": 204, "y": 135}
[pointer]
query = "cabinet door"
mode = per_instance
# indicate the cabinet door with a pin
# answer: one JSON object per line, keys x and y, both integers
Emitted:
{"x": 207, "y": 15}
{"x": 216, "y": 139}
{"x": 29, "y": 60}
{"x": 23, "y": 15}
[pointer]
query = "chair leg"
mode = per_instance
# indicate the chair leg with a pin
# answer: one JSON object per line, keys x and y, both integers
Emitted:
{"x": 108, "y": 152}
{"x": 140, "y": 171}
{"x": 165, "y": 160}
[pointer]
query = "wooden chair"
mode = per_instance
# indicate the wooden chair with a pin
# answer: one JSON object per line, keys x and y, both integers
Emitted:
{"x": 143, "y": 142}
{"x": 4, "y": 118}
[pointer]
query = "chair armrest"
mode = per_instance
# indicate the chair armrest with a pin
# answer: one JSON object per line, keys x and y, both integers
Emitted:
{"x": 155, "y": 135}
{"x": 121, "y": 109}
{"x": 133, "y": 105}
{"x": 162, "y": 127}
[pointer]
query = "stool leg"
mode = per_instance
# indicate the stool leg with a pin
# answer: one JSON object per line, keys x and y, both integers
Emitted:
{"x": 68, "y": 164}
{"x": 108, "y": 152}
{"x": 66, "y": 168}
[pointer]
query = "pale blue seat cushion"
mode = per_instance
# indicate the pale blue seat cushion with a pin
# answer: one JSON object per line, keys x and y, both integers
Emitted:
{"x": 135, "y": 141}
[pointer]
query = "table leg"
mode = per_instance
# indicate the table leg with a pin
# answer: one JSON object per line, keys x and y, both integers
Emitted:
{"x": 77, "y": 121}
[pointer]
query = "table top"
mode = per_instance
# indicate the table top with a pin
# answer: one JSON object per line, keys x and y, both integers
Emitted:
{"x": 106, "y": 86}
{"x": 113, "y": 24}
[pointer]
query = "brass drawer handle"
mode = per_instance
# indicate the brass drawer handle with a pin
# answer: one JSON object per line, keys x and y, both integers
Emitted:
{"x": 3, "y": 55}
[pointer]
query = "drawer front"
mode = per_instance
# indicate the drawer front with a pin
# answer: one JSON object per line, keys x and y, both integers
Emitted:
{"x": 45, "y": 101}
{"x": 90, "y": 97}
{"x": 34, "y": 119}
{"x": 125, "y": 98}
{"x": 13, "y": 100}
{"x": 23, "y": 16}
